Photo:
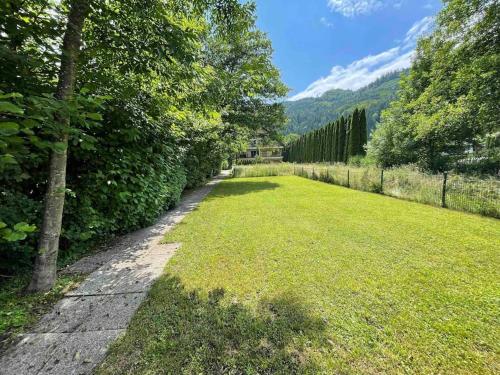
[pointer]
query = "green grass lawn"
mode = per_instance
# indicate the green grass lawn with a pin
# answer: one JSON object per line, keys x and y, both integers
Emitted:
{"x": 288, "y": 275}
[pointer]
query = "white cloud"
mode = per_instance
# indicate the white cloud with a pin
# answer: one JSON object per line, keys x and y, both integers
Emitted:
{"x": 419, "y": 29}
{"x": 359, "y": 73}
{"x": 326, "y": 23}
{"x": 397, "y": 4}
{"x": 366, "y": 70}
{"x": 350, "y": 8}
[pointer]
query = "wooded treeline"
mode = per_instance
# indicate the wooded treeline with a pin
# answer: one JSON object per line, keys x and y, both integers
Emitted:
{"x": 157, "y": 95}
{"x": 335, "y": 142}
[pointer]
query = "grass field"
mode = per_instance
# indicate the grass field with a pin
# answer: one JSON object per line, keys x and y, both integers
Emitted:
{"x": 478, "y": 195}
{"x": 288, "y": 275}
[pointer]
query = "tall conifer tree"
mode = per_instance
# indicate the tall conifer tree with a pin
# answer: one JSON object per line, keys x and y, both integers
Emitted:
{"x": 354, "y": 138}
{"x": 342, "y": 140}
{"x": 363, "y": 131}
{"x": 337, "y": 139}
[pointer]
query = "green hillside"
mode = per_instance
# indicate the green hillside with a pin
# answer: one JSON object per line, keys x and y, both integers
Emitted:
{"x": 311, "y": 113}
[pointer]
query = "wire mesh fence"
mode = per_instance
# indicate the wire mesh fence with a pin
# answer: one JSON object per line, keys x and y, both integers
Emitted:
{"x": 413, "y": 185}
{"x": 473, "y": 195}
{"x": 455, "y": 191}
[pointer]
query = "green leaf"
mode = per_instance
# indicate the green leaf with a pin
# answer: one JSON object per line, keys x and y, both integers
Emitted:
{"x": 24, "y": 227}
{"x": 7, "y": 107}
{"x": 85, "y": 236}
{"x": 59, "y": 147}
{"x": 2, "y": 225}
{"x": 7, "y": 159}
{"x": 8, "y": 128}
{"x": 29, "y": 123}
{"x": 94, "y": 116}
{"x": 13, "y": 236}
{"x": 87, "y": 146}
{"x": 28, "y": 131}
{"x": 11, "y": 95}
{"x": 124, "y": 195}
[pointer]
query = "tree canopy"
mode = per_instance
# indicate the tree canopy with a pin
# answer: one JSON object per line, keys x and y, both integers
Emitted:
{"x": 448, "y": 103}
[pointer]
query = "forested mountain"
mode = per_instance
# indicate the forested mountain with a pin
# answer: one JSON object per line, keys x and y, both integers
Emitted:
{"x": 311, "y": 113}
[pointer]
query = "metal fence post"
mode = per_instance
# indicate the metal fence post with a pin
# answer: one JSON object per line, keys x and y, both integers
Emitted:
{"x": 382, "y": 181}
{"x": 443, "y": 193}
{"x": 348, "y": 182}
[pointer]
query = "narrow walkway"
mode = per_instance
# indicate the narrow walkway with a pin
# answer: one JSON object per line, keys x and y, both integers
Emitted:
{"x": 74, "y": 337}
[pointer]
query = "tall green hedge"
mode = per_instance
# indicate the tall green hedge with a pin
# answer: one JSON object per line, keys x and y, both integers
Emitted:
{"x": 334, "y": 142}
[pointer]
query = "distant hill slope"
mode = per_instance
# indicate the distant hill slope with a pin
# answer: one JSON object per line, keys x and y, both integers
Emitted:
{"x": 311, "y": 113}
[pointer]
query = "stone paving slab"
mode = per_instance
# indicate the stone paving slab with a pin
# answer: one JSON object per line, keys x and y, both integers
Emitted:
{"x": 59, "y": 353}
{"x": 80, "y": 353}
{"x": 31, "y": 353}
{"x": 74, "y": 337}
{"x": 91, "y": 313}
{"x": 130, "y": 274}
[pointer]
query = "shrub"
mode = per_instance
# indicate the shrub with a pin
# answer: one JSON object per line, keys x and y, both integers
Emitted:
{"x": 16, "y": 207}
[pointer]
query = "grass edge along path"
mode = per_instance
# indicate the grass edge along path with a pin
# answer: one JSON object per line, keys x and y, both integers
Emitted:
{"x": 288, "y": 275}
{"x": 19, "y": 311}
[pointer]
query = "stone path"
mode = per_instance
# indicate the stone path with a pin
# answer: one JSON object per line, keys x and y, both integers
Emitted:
{"x": 74, "y": 337}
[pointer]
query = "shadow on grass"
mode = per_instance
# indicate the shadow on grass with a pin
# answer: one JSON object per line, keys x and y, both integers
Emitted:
{"x": 178, "y": 331}
{"x": 242, "y": 187}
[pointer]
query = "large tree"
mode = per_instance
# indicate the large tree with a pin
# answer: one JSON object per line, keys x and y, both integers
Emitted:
{"x": 363, "y": 128}
{"x": 342, "y": 140}
{"x": 448, "y": 103}
{"x": 44, "y": 273}
{"x": 247, "y": 87}
{"x": 354, "y": 135}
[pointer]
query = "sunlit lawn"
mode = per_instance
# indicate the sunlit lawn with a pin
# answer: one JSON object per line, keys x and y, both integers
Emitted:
{"x": 288, "y": 275}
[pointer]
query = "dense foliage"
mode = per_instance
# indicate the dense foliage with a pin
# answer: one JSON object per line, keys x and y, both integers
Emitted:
{"x": 166, "y": 91}
{"x": 309, "y": 114}
{"x": 447, "y": 107}
{"x": 338, "y": 141}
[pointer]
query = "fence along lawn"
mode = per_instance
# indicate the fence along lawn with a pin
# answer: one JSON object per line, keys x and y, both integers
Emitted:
{"x": 454, "y": 191}
{"x": 289, "y": 275}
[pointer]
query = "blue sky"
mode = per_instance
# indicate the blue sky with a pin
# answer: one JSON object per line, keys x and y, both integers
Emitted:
{"x": 325, "y": 44}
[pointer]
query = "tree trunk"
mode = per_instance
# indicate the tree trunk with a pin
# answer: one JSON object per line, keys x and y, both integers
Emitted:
{"x": 44, "y": 273}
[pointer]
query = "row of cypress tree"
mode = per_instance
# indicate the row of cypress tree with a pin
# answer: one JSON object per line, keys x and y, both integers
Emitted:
{"x": 334, "y": 142}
